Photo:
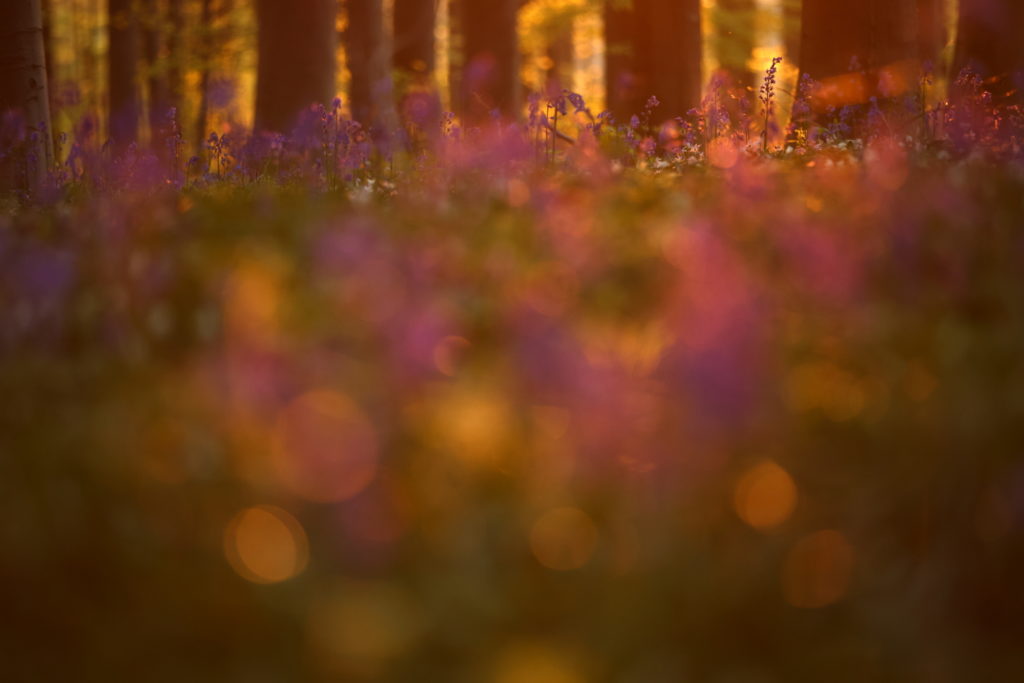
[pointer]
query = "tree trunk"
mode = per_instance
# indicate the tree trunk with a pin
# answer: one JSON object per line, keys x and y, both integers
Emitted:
{"x": 26, "y": 145}
{"x": 931, "y": 32}
{"x": 206, "y": 48}
{"x": 990, "y": 42}
{"x": 414, "y": 23}
{"x": 490, "y": 71}
{"x": 122, "y": 94}
{"x": 842, "y": 38}
{"x": 858, "y": 52}
{"x": 157, "y": 102}
{"x": 47, "y": 6}
{"x": 297, "y": 40}
{"x": 370, "y": 88}
{"x": 622, "y": 91}
{"x": 654, "y": 49}
{"x": 176, "y": 58}
{"x": 734, "y": 22}
{"x": 414, "y": 60}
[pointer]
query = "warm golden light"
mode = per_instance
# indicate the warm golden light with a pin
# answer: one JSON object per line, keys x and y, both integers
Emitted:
{"x": 252, "y": 299}
{"x": 840, "y": 91}
{"x": 765, "y": 496}
{"x": 536, "y": 663}
{"x": 723, "y": 153}
{"x": 356, "y": 627}
{"x": 563, "y": 539}
{"x": 325, "y": 448}
{"x": 473, "y": 424}
{"x": 265, "y": 544}
{"x": 821, "y": 386}
{"x": 818, "y": 570}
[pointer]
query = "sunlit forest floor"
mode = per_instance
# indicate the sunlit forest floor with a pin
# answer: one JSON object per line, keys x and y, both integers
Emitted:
{"x": 518, "y": 414}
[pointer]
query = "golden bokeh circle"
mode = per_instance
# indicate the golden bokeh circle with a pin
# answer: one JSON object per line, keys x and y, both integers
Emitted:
{"x": 265, "y": 544}
{"x": 563, "y": 539}
{"x": 765, "y": 496}
{"x": 325, "y": 448}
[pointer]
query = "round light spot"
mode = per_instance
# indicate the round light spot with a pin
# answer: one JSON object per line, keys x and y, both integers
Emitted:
{"x": 448, "y": 354}
{"x": 723, "y": 153}
{"x": 265, "y": 544}
{"x": 355, "y": 628}
{"x": 253, "y": 298}
{"x": 563, "y": 539}
{"x": 325, "y": 448}
{"x": 536, "y": 663}
{"x": 765, "y": 496}
{"x": 475, "y": 424}
{"x": 818, "y": 570}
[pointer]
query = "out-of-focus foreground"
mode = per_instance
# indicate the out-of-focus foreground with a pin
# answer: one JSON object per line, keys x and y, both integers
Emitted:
{"x": 751, "y": 420}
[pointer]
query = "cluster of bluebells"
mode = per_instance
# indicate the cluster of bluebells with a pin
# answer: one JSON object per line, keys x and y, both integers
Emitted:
{"x": 330, "y": 151}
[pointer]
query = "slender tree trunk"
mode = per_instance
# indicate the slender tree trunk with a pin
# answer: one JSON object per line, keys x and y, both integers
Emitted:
{"x": 490, "y": 71}
{"x": 122, "y": 95}
{"x": 371, "y": 91}
{"x": 414, "y": 23}
{"x": 931, "y": 33}
{"x": 991, "y": 42}
{"x": 156, "y": 82}
{"x": 26, "y": 146}
{"x": 734, "y": 22}
{"x": 176, "y": 58}
{"x": 206, "y": 48}
{"x": 622, "y": 86}
{"x": 414, "y": 60}
{"x": 48, "y": 50}
{"x": 297, "y": 41}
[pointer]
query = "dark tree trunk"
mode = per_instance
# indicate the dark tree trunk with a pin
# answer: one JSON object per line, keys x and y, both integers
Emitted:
{"x": 734, "y": 22}
{"x": 24, "y": 98}
{"x": 297, "y": 42}
{"x": 207, "y": 41}
{"x": 861, "y": 56}
{"x": 176, "y": 30}
{"x": 414, "y": 23}
{"x": 490, "y": 48}
{"x": 859, "y": 53}
{"x": 654, "y": 49}
{"x": 991, "y": 42}
{"x": 673, "y": 56}
{"x": 842, "y": 38}
{"x": 931, "y": 31}
{"x": 414, "y": 61}
{"x": 157, "y": 96}
{"x": 370, "y": 88}
{"x": 622, "y": 88}
{"x": 47, "y": 6}
{"x": 122, "y": 55}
